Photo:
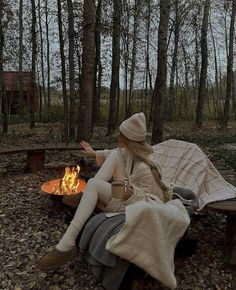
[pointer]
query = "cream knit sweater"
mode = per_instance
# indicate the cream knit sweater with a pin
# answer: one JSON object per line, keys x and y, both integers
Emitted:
{"x": 141, "y": 179}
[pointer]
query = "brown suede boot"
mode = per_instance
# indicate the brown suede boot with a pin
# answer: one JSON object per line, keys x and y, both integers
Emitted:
{"x": 54, "y": 259}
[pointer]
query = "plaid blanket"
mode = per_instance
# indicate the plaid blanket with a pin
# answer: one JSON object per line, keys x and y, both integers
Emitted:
{"x": 186, "y": 165}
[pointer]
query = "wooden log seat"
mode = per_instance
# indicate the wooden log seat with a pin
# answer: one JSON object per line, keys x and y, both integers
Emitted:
{"x": 36, "y": 152}
{"x": 228, "y": 207}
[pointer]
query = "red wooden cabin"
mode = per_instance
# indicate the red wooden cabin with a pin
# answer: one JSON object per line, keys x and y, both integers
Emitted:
{"x": 11, "y": 88}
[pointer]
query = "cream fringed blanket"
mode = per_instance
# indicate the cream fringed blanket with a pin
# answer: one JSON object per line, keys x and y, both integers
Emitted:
{"x": 186, "y": 165}
{"x": 149, "y": 237}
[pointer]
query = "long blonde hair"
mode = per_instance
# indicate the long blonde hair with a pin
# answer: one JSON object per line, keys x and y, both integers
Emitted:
{"x": 141, "y": 151}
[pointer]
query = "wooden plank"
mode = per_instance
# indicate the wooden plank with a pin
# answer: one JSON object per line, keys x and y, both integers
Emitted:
{"x": 33, "y": 147}
{"x": 69, "y": 146}
{"x": 225, "y": 206}
{"x": 7, "y": 149}
{"x": 49, "y": 146}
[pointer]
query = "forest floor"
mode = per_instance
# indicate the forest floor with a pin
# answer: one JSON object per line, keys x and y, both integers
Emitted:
{"x": 31, "y": 222}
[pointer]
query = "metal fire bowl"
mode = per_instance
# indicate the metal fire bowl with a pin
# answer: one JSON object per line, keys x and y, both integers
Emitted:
{"x": 48, "y": 187}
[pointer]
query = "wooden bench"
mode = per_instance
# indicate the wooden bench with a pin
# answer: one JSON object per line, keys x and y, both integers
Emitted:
{"x": 228, "y": 207}
{"x": 36, "y": 153}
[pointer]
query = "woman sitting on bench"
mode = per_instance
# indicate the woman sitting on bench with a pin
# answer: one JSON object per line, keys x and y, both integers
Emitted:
{"x": 133, "y": 162}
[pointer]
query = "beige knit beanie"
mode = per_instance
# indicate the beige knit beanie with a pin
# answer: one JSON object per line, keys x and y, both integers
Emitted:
{"x": 134, "y": 128}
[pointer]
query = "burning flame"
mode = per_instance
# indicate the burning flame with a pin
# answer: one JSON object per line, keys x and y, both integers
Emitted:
{"x": 69, "y": 184}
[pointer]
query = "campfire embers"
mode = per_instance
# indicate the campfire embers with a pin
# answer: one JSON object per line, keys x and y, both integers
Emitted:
{"x": 69, "y": 184}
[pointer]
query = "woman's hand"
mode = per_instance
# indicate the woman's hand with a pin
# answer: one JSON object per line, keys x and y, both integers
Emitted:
{"x": 87, "y": 149}
{"x": 128, "y": 193}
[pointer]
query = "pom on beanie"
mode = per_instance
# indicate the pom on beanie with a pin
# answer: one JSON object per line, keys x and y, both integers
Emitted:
{"x": 134, "y": 128}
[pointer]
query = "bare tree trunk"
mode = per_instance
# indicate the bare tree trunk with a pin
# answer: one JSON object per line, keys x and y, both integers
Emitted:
{"x": 21, "y": 97}
{"x": 85, "y": 107}
{"x": 43, "y": 92}
{"x": 196, "y": 66}
{"x": 203, "y": 75}
{"x": 48, "y": 62}
{"x": 148, "y": 76}
{"x": 5, "y": 112}
{"x": 40, "y": 96}
{"x": 1, "y": 64}
{"x": 1, "y": 56}
{"x": 78, "y": 59}
{"x": 99, "y": 89}
{"x": 63, "y": 71}
{"x": 226, "y": 32}
{"x": 114, "y": 88}
{"x": 71, "y": 34}
{"x": 234, "y": 95}
{"x": 98, "y": 67}
{"x": 216, "y": 72}
{"x": 230, "y": 59}
{"x": 172, "y": 102}
{"x": 134, "y": 52}
{"x": 125, "y": 23}
{"x": 160, "y": 90}
{"x": 186, "y": 86}
{"x": 33, "y": 65}
{"x": 4, "y": 96}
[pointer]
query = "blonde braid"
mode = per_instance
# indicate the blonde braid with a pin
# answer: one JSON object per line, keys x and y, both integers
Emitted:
{"x": 156, "y": 174}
